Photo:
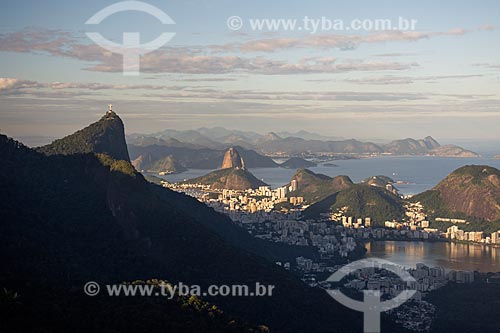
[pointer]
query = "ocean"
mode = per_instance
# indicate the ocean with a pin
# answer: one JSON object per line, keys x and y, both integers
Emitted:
{"x": 416, "y": 173}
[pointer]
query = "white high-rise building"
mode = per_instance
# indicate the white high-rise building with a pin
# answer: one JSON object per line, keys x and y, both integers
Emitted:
{"x": 281, "y": 192}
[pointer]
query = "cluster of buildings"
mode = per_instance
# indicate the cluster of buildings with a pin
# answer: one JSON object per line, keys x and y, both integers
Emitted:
{"x": 454, "y": 233}
{"x": 415, "y": 220}
{"x": 415, "y": 226}
{"x": 349, "y": 221}
{"x": 415, "y": 216}
{"x": 251, "y": 201}
{"x": 447, "y": 219}
{"x": 328, "y": 239}
{"x": 246, "y": 206}
{"x": 389, "y": 284}
{"x": 310, "y": 268}
{"x": 394, "y": 234}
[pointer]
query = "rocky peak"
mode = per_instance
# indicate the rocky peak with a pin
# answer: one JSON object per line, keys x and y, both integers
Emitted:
{"x": 106, "y": 136}
{"x": 232, "y": 159}
{"x": 271, "y": 136}
{"x": 431, "y": 143}
{"x": 473, "y": 190}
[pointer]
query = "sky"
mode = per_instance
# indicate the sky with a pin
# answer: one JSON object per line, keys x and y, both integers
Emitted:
{"x": 440, "y": 78}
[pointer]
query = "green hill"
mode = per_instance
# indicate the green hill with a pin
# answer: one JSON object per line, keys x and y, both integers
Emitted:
{"x": 167, "y": 164}
{"x": 470, "y": 191}
{"x": 297, "y": 162}
{"x": 229, "y": 178}
{"x": 427, "y": 146}
{"x": 362, "y": 201}
{"x": 106, "y": 136}
{"x": 315, "y": 187}
{"x": 380, "y": 181}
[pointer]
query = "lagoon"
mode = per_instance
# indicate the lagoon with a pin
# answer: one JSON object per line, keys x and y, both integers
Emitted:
{"x": 450, "y": 256}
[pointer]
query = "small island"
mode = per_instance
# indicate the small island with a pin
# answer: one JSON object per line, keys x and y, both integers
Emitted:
{"x": 297, "y": 163}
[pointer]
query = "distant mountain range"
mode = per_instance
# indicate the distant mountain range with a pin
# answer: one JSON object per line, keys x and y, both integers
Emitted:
{"x": 300, "y": 144}
{"x": 205, "y": 148}
{"x": 144, "y": 157}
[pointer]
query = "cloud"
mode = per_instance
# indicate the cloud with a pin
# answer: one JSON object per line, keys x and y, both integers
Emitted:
{"x": 487, "y": 65}
{"x": 101, "y": 86}
{"x": 160, "y": 62}
{"x": 13, "y": 86}
{"x": 208, "y": 79}
{"x": 343, "y": 42}
{"x": 395, "y": 54}
{"x": 388, "y": 80}
{"x": 180, "y": 60}
{"x": 16, "y": 86}
{"x": 37, "y": 40}
{"x": 309, "y": 96}
{"x": 197, "y": 60}
{"x": 7, "y": 84}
